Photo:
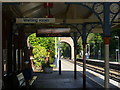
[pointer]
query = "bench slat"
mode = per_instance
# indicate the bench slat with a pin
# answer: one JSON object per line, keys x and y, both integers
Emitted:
{"x": 21, "y": 79}
{"x": 32, "y": 80}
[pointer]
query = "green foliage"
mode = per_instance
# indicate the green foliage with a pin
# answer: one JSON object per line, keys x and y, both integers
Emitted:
{"x": 47, "y": 42}
{"x": 39, "y": 52}
{"x": 114, "y": 43}
{"x": 51, "y": 59}
{"x": 94, "y": 40}
{"x": 79, "y": 46}
{"x": 65, "y": 50}
{"x": 41, "y": 45}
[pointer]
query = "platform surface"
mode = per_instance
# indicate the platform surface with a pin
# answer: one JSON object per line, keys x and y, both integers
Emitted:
{"x": 66, "y": 79}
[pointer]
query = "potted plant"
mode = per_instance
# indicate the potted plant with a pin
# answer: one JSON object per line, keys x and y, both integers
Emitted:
{"x": 46, "y": 66}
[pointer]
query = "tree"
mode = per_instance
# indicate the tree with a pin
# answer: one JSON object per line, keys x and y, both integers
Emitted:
{"x": 39, "y": 55}
{"x": 41, "y": 47}
{"x": 47, "y": 42}
{"x": 39, "y": 52}
{"x": 94, "y": 40}
{"x": 65, "y": 50}
{"x": 114, "y": 42}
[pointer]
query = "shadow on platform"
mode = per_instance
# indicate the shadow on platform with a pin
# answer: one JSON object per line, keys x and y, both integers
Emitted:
{"x": 64, "y": 81}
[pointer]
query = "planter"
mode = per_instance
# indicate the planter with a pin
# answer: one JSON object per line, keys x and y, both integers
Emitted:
{"x": 48, "y": 69}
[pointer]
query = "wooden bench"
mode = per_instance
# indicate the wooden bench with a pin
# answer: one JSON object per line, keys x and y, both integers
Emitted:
{"x": 21, "y": 79}
{"x": 22, "y": 82}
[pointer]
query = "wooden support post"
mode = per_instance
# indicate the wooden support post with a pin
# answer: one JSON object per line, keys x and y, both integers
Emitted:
{"x": 18, "y": 59}
{"x": 9, "y": 47}
{"x": 14, "y": 58}
{"x": 19, "y": 47}
{"x": 14, "y": 52}
{"x": 24, "y": 50}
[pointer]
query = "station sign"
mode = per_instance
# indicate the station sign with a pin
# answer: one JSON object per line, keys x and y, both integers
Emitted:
{"x": 53, "y": 32}
{"x": 34, "y": 20}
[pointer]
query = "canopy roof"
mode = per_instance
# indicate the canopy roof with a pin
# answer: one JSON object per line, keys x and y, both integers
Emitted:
{"x": 62, "y": 12}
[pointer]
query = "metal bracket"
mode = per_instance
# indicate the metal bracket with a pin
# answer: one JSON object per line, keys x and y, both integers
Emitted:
{"x": 98, "y": 8}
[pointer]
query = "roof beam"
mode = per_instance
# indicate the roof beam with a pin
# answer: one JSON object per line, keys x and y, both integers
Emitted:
{"x": 116, "y": 26}
{"x": 74, "y": 21}
{"x": 31, "y": 10}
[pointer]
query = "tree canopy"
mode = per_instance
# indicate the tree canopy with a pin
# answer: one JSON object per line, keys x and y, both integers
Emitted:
{"x": 47, "y": 42}
{"x": 42, "y": 46}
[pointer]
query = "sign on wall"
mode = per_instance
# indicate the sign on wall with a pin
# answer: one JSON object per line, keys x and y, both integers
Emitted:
{"x": 53, "y": 32}
{"x": 34, "y": 20}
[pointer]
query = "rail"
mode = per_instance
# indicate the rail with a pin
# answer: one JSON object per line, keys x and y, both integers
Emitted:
{"x": 114, "y": 73}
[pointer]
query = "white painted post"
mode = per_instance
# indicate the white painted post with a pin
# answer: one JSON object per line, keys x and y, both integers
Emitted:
{"x": 106, "y": 42}
{"x": 0, "y": 45}
{"x": 55, "y": 47}
{"x": 58, "y": 50}
{"x": 72, "y": 52}
{"x": 106, "y": 65}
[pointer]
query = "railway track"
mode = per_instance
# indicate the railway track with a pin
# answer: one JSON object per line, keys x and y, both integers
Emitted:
{"x": 114, "y": 74}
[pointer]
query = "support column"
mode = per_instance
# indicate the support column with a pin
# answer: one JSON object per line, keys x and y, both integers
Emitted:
{"x": 84, "y": 37}
{"x": 106, "y": 42}
{"x": 106, "y": 34}
{"x": 9, "y": 47}
{"x": 1, "y": 46}
{"x": 59, "y": 67}
{"x": 14, "y": 53}
{"x": 75, "y": 53}
{"x": 55, "y": 47}
{"x": 19, "y": 47}
{"x": 72, "y": 52}
{"x": 59, "y": 61}
{"x": 84, "y": 66}
{"x": 18, "y": 59}
{"x": 26, "y": 56}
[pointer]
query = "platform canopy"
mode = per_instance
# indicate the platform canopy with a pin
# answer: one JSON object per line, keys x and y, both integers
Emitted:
{"x": 62, "y": 13}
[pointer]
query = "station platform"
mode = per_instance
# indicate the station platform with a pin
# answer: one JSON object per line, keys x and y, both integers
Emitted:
{"x": 97, "y": 60}
{"x": 103, "y": 61}
{"x": 66, "y": 79}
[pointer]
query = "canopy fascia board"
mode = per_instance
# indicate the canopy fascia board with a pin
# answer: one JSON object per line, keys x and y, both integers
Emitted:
{"x": 57, "y": 21}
